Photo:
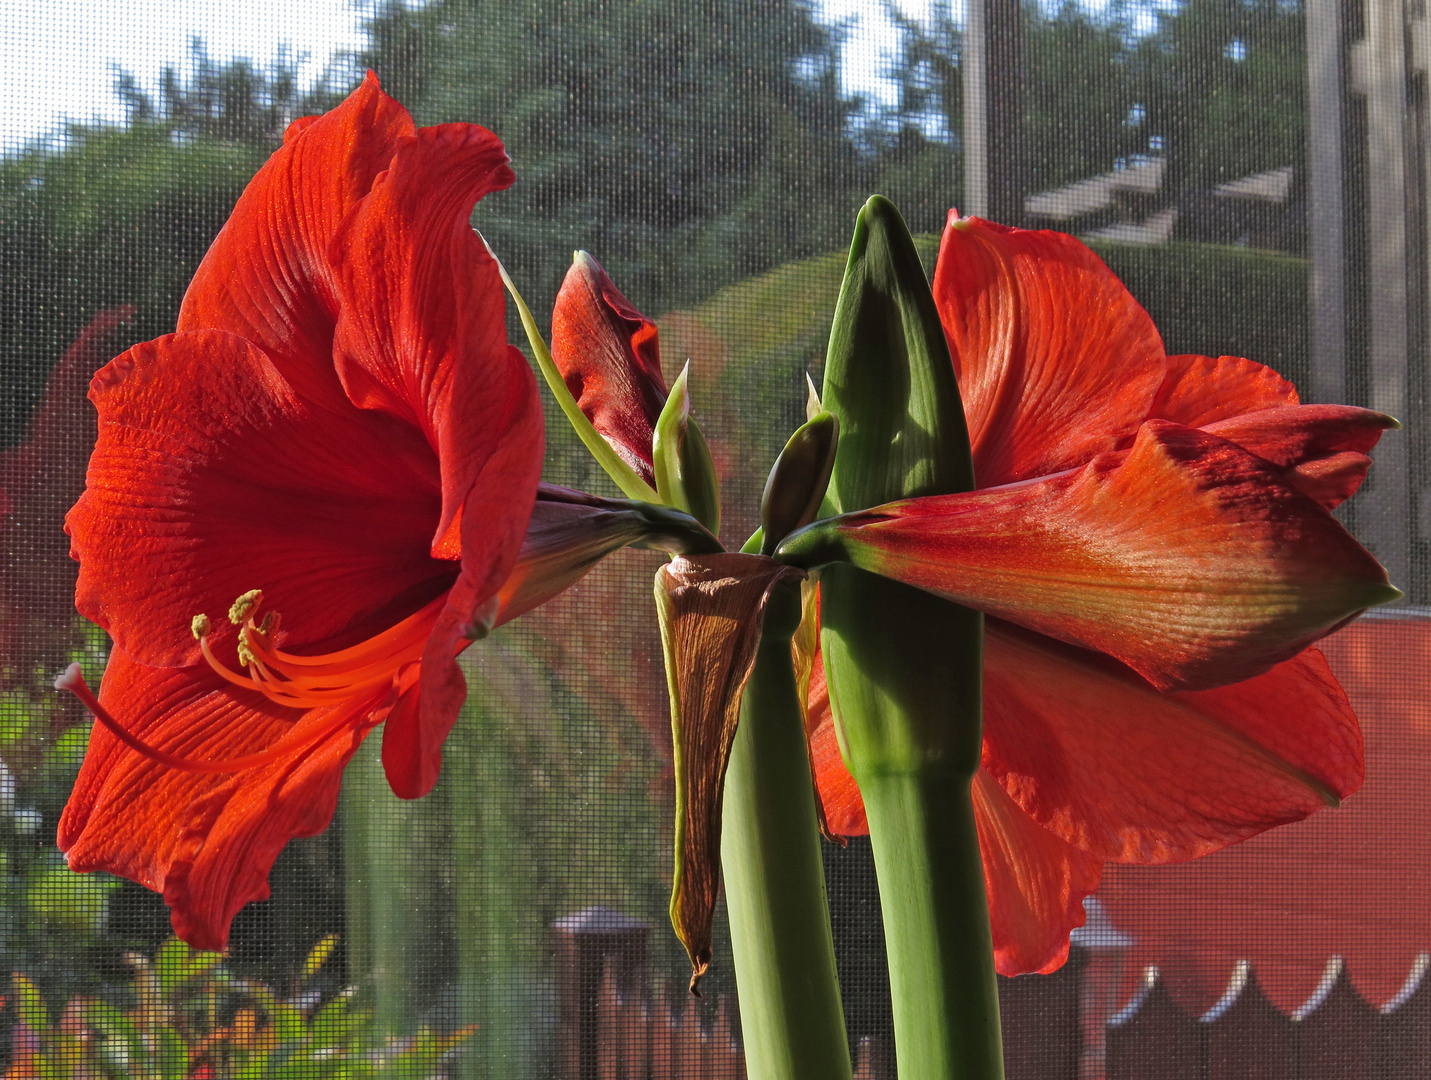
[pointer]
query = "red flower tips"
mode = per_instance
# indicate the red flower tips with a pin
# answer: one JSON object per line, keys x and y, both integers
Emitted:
{"x": 608, "y": 354}
{"x": 340, "y": 437}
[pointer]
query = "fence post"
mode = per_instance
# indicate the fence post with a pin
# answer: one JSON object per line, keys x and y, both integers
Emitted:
{"x": 588, "y": 944}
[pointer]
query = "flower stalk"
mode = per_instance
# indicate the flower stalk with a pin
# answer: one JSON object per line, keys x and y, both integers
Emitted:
{"x": 791, "y": 1016}
{"x": 904, "y": 667}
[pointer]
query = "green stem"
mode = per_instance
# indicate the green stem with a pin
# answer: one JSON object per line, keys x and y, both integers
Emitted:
{"x": 905, "y": 672}
{"x": 790, "y": 1013}
{"x": 936, "y": 925}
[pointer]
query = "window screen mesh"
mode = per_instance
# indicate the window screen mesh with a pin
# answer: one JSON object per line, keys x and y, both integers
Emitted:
{"x": 1254, "y": 170}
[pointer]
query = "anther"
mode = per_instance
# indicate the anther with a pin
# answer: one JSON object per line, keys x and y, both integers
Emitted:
{"x": 200, "y": 627}
{"x": 244, "y": 605}
{"x": 245, "y": 650}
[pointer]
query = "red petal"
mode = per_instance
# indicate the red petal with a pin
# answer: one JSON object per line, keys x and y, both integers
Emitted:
{"x": 1095, "y": 754}
{"x": 1200, "y": 390}
{"x": 1323, "y": 448}
{"x": 207, "y": 841}
{"x": 493, "y": 523}
{"x": 1055, "y": 359}
{"x": 1036, "y": 883}
{"x": 844, "y": 808}
{"x": 608, "y": 354}
{"x": 422, "y": 329}
{"x": 1186, "y": 557}
{"x": 266, "y": 277}
{"x": 213, "y": 476}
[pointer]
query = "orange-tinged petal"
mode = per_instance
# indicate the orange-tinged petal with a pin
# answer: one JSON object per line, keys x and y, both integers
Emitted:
{"x": 607, "y": 352}
{"x": 212, "y": 476}
{"x": 421, "y": 330}
{"x": 1200, "y": 390}
{"x": 1185, "y": 557}
{"x": 1056, "y": 361}
{"x": 841, "y": 804}
{"x": 206, "y": 841}
{"x": 1322, "y": 448}
{"x": 267, "y": 277}
{"x": 1096, "y": 755}
{"x": 1035, "y": 881}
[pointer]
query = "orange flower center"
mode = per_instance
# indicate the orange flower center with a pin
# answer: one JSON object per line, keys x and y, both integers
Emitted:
{"x": 305, "y": 682}
{"x": 355, "y": 677}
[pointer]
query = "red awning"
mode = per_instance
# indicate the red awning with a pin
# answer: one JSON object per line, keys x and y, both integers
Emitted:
{"x": 1353, "y": 882}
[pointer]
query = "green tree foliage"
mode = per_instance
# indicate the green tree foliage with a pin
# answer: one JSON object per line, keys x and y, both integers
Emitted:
{"x": 688, "y": 144}
{"x": 1224, "y": 82}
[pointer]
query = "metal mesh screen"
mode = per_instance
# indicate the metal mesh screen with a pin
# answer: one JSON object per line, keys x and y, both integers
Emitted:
{"x": 1254, "y": 170}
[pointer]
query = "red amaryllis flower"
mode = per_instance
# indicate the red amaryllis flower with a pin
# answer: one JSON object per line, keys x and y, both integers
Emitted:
{"x": 341, "y": 451}
{"x": 1147, "y": 528}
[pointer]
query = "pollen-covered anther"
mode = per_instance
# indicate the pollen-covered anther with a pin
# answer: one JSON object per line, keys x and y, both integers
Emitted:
{"x": 304, "y": 681}
{"x": 199, "y": 626}
{"x": 244, "y": 606}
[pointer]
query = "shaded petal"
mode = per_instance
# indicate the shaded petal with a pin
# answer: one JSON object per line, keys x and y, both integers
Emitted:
{"x": 1035, "y": 882}
{"x": 607, "y": 352}
{"x": 212, "y": 476}
{"x": 422, "y": 332}
{"x": 206, "y": 841}
{"x": 712, "y": 610}
{"x": 1096, "y": 755}
{"x": 1322, "y": 448}
{"x": 493, "y": 522}
{"x": 1200, "y": 390}
{"x": 842, "y": 808}
{"x": 1056, "y": 361}
{"x": 1185, "y": 557}
{"x": 42, "y": 477}
{"x": 267, "y": 277}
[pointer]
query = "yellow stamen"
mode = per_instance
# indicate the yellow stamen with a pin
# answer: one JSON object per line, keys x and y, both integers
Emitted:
{"x": 356, "y": 680}
{"x": 308, "y": 681}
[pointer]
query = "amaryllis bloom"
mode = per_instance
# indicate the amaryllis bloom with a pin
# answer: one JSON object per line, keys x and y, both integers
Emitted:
{"x": 1147, "y": 529}
{"x": 301, "y": 507}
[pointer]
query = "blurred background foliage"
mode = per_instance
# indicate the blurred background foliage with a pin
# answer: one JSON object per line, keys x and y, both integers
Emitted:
{"x": 706, "y": 152}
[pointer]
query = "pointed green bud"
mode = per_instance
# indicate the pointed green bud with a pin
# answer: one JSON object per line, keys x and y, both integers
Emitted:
{"x": 888, "y": 375}
{"x": 903, "y": 666}
{"x": 797, "y": 481}
{"x": 685, "y": 474}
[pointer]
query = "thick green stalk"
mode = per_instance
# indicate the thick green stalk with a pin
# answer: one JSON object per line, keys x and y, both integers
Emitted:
{"x": 790, "y": 1012}
{"x": 936, "y": 924}
{"x": 904, "y": 671}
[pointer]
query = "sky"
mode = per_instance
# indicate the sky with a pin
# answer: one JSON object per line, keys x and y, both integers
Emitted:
{"x": 57, "y": 57}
